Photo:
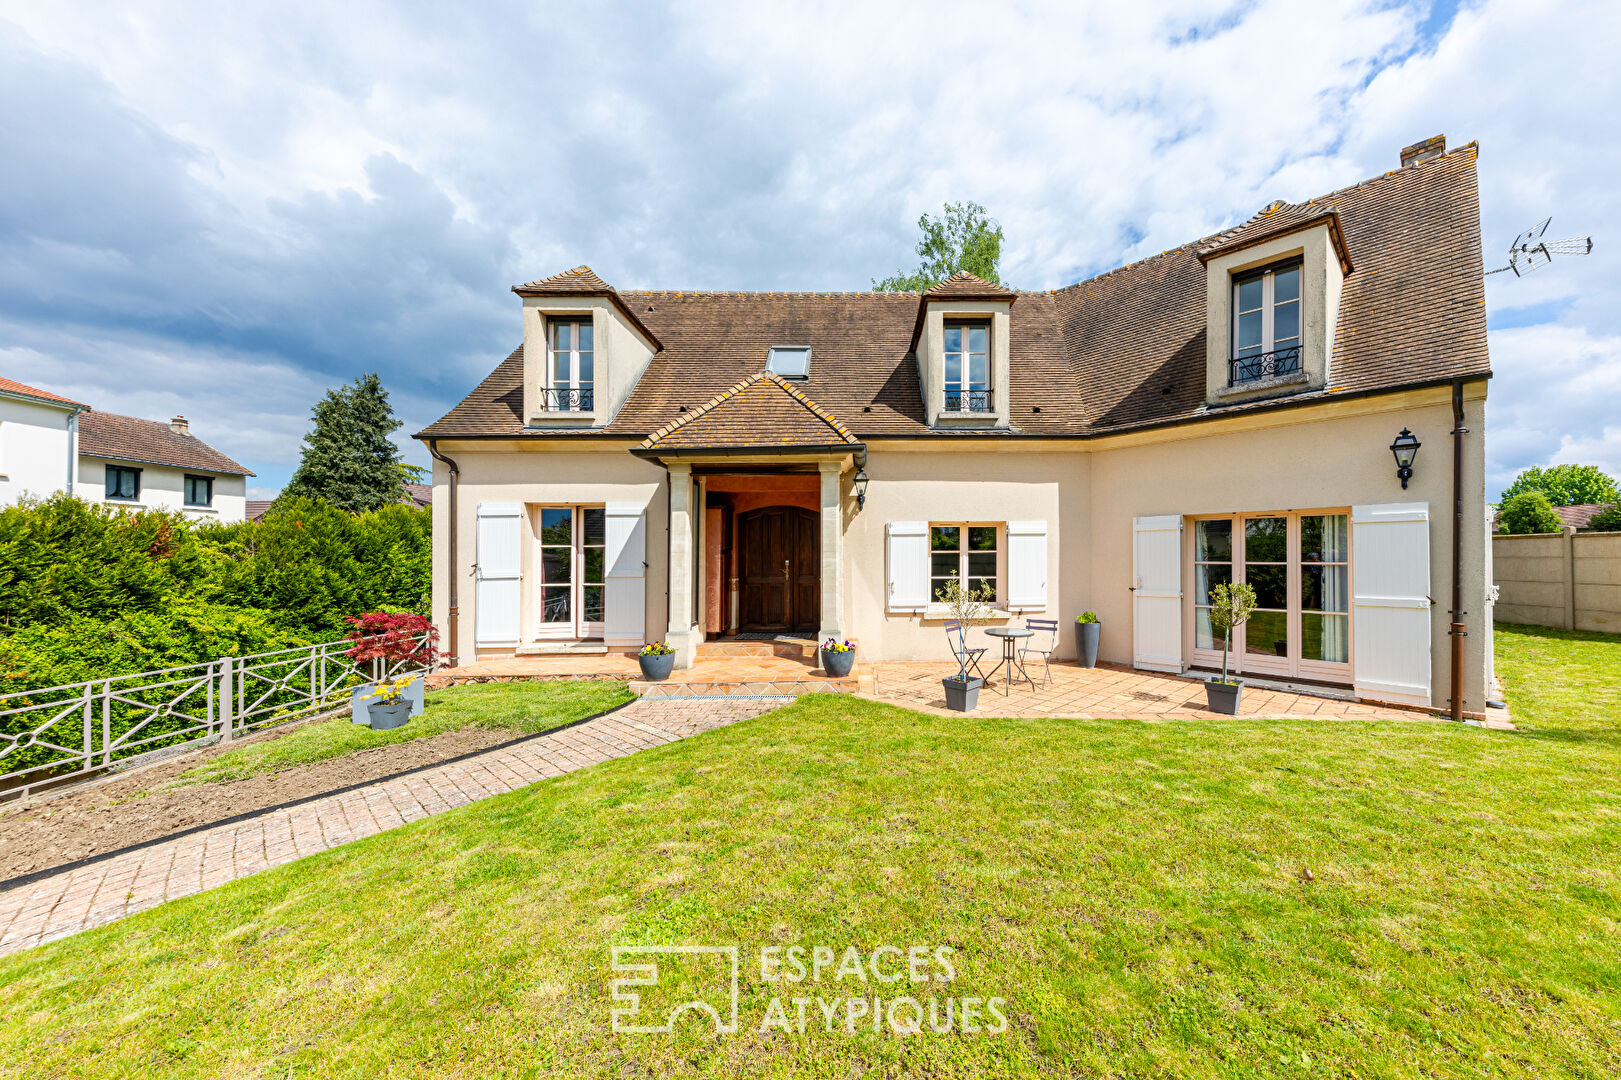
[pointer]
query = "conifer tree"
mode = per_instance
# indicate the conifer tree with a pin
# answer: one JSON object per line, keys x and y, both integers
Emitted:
{"x": 348, "y": 458}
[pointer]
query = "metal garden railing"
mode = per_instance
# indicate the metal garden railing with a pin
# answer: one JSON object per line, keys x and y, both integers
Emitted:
{"x": 50, "y": 736}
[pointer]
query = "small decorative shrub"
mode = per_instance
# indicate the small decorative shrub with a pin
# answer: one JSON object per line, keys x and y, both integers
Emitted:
{"x": 1086, "y": 617}
{"x": 1529, "y": 512}
{"x": 1230, "y": 606}
{"x": 391, "y": 636}
{"x": 834, "y": 646}
{"x": 656, "y": 648}
{"x": 1607, "y": 520}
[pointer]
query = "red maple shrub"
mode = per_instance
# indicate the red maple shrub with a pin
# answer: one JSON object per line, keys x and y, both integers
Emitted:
{"x": 391, "y": 636}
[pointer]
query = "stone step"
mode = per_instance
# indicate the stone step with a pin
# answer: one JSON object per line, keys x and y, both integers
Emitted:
{"x": 766, "y": 687}
{"x": 563, "y": 648}
{"x": 802, "y": 649}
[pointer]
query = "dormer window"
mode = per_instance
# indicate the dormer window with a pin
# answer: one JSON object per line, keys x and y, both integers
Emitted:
{"x": 789, "y": 361}
{"x": 1266, "y": 323}
{"x": 968, "y": 366}
{"x": 572, "y": 368}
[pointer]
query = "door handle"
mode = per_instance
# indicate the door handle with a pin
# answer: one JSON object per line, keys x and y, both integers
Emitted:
{"x": 786, "y": 573}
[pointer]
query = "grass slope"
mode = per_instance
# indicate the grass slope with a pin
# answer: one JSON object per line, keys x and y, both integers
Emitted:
{"x": 515, "y": 707}
{"x": 1134, "y": 890}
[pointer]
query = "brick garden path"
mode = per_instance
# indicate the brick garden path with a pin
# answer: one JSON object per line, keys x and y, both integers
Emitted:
{"x": 73, "y": 900}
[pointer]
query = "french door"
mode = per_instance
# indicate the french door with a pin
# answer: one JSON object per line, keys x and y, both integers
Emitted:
{"x": 572, "y": 542}
{"x": 1299, "y": 564}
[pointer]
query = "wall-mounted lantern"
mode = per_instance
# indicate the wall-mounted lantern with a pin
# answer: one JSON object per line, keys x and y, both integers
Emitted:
{"x": 1406, "y": 449}
{"x": 861, "y": 488}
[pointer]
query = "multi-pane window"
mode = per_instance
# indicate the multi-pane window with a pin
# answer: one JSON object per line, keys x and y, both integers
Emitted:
{"x": 968, "y": 367}
{"x": 573, "y": 544}
{"x": 199, "y": 491}
{"x": 573, "y": 366}
{"x": 1325, "y": 587}
{"x": 123, "y": 482}
{"x": 1266, "y": 568}
{"x": 1212, "y": 566}
{"x": 1266, "y": 323}
{"x": 966, "y": 552}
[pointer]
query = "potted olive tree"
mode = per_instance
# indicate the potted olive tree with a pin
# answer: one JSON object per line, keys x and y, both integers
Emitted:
{"x": 1230, "y": 606}
{"x": 969, "y": 608}
{"x": 657, "y": 659}
{"x": 1087, "y": 632}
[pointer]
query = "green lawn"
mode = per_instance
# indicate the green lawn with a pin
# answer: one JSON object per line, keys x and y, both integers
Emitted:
{"x": 1134, "y": 890}
{"x": 514, "y": 707}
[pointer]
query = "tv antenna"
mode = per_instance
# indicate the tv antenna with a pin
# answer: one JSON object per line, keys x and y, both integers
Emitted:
{"x": 1530, "y": 251}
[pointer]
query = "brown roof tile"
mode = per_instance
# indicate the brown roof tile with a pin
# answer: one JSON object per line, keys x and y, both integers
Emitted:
{"x": 964, "y": 284}
{"x": 581, "y": 279}
{"x": 151, "y": 442}
{"x": 763, "y": 410}
{"x": 1120, "y": 350}
{"x": 12, "y": 386}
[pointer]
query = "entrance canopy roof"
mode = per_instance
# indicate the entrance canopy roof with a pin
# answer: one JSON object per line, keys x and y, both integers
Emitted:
{"x": 764, "y": 414}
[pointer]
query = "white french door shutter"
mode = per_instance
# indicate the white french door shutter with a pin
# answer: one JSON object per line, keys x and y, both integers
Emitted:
{"x": 625, "y": 592}
{"x": 908, "y": 565}
{"x": 498, "y": 574}
{"x": 1156, "y": 622}
{"x": 1027, "y": 565}
{"x": 1390, "y": 603}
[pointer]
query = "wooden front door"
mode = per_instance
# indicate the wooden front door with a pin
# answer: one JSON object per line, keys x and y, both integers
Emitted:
{"x": 781, "y": 578}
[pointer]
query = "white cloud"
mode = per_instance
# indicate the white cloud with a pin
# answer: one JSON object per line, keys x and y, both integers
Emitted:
{"x": 329, "y": 189}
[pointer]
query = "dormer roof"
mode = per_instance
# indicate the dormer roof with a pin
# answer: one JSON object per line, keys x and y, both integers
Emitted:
{"x": 583, "y": 281}
{"x": 1280, "y": 219}
{"x": 965, "y": 286}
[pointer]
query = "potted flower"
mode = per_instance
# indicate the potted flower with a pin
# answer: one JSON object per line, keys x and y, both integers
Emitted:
{"x": 387, "y": 704}
{"x": 969, "y": 608}
{"x": 391, "y": 642}
{"x": 838, "y": 658}
{"x": 1230, "y": 606}
{"x": 657, "y": 659}
{"x": 1087, "y": 632}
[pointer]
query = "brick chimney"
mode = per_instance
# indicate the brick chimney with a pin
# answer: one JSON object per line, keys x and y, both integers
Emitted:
{"x": 1433, "y": 147}
{"x": 180, "y": 425}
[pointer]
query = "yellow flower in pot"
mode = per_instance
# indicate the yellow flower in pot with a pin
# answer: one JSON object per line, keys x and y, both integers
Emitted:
{"x": 388, "y": 705}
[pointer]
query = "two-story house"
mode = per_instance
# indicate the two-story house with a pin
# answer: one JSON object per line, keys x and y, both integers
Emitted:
{"x": 693, "y": 465}
{"x": 51, "y": 443}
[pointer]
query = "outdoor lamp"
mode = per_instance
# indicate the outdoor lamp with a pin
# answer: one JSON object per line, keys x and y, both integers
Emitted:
{"x": 1406, "y": 449}
{"x": 861, "y": 488}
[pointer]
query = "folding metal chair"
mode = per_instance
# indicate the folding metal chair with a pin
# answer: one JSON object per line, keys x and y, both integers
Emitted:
{"x": 967, "y": 658}
{"x": 1042, "y": 647}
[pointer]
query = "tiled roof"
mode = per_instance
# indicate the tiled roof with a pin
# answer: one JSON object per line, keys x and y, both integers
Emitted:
{"x": 581, "y": 279}
{"x": 968, "y": 286}
{"x": 12, "y": 386}
{"x": 763, "y": 410}
{"x": 1121, "y": 350}
{"x": 151, "y": 442}
{"x": 420, "y": 494}
{"x": 256, "y": 509}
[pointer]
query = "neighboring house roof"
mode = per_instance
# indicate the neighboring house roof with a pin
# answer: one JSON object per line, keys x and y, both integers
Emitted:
{"x": 17, "y": 389}
{"x": 764, "y": 410}
{"x": 151, "y": 442}
{"x": 1122, "y": 350}
{"x": 420, "y": 494}
{"x": 257, "y": 508}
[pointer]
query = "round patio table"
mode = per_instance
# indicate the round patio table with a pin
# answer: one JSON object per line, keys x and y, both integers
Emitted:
{"x": 1010, "y": 636}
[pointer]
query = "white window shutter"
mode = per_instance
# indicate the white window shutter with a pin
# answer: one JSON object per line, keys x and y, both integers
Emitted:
{"x": 908, "y": 565}
{"x": 1390, "y": 604}
{"x": 498, "y": 574}
{"x": 625, "y": 598}
{"x": 1027, "y": 565}
{"x": 1156, "y": 616}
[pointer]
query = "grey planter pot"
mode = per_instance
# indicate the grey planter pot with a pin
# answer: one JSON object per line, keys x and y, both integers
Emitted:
{"x": 962, "y": 695}
{"x": 1223, "y": 697}
{"x": 1087, "y": 635}
{"x": 838, "y": 664}
{"x": 360, "y": 709}
{"x": 388, "y": 717}
{"x": 656, "y": 668}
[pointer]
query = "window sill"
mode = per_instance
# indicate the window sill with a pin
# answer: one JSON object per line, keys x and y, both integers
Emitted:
{"x": 942, "y": 613}
{"x": 959, "y": 415}
{"x": 199, "y": 508}
{"x": 1298, "y": 378}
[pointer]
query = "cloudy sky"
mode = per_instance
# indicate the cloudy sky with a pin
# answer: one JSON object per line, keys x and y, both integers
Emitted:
{"x": 223, "y": 209}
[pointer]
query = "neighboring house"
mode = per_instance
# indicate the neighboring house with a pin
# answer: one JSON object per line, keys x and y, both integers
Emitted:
{"x": 36, "y": 441}
{"x": 135, "y": 462}
{"x": 692, "y": 465}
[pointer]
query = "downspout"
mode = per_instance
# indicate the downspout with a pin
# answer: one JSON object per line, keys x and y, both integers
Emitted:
{"x": 1457, "y": 632}
{"x": 73, "y": 447}
{"x": 454, "y": 615}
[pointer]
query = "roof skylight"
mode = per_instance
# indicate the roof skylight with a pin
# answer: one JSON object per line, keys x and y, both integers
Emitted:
{"x": 789, "y": 361}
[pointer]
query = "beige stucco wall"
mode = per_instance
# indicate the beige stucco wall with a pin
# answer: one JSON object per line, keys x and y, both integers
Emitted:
{"x": 1321, "y": 280}
{"x": 953, "y": 485}
{"x": 531, "y": 476}
{"x": 1326, "y": 463}
{"x": 620, "y": 356}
